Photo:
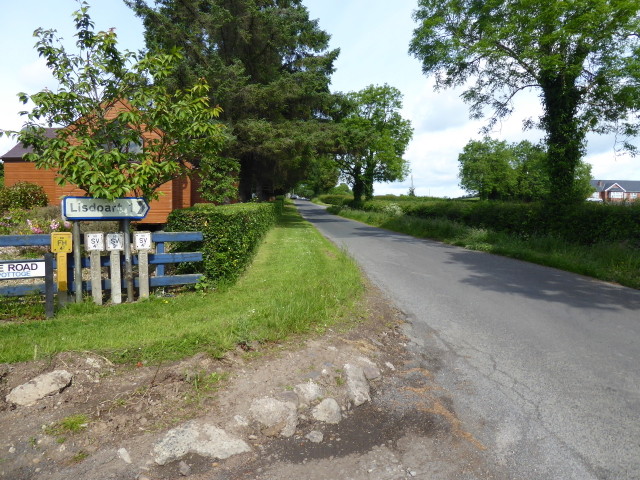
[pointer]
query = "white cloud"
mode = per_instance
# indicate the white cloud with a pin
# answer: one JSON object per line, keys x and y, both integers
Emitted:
{"x": 432, "y": 111}
{"x": 612, "y": 166}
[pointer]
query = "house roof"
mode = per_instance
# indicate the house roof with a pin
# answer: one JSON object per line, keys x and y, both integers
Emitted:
{"x": 20, "y": 150}
{"x": 616, "y": 185}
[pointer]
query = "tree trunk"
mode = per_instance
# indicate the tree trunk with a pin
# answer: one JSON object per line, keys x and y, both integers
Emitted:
{"x": 368, "y": 179}
{"x": 565, "y": 138}
{"x": 358, "y": 190}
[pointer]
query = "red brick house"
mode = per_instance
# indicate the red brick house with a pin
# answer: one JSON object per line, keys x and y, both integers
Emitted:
{"x": 615, "y": 190}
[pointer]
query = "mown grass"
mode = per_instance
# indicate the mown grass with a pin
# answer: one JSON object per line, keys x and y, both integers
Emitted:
{"x": 298, "y": 282}
{"x": 612, "y": 262}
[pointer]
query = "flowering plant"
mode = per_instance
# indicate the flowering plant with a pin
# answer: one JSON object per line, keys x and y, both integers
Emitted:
{"x": 22, "y": 222}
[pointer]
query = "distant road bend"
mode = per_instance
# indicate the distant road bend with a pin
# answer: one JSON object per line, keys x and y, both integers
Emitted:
{"x": 544, "y": 365}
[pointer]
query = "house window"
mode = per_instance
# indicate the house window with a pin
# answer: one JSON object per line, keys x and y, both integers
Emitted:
{"x": 616, "y": 195}
{"x": 113, "y": 138}
{"x": 135, "y": 147}
{"x": 633, "y": 195}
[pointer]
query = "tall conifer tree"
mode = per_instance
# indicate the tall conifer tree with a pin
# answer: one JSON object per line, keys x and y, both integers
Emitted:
{"x": 269, "y": 67}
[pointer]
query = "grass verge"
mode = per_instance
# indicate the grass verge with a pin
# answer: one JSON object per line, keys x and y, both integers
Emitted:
{"x": 298, "y": 282}
{"x": 619, "y": 263}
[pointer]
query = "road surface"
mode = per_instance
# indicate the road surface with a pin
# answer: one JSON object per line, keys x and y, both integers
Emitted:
{"x": 544, "y": 365}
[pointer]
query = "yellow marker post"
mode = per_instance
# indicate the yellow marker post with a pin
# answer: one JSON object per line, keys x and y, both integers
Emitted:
{"x": 62, "y": 245}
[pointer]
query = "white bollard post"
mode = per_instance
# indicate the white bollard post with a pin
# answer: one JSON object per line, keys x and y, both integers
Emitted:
{"x": 115, "y": 244}
{"x": 142, "y": 242}
{"x": 94, "y": 243}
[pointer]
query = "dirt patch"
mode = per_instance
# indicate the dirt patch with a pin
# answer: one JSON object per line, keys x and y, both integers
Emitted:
{"x": 127, "y": 408}
{"x": 122, "y": 401}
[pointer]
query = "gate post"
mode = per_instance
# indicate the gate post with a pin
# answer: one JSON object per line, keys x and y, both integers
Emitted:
{"x": 128, "y": 266}
{"x": 48, "y": 285}
{"x": 77, "y": 261}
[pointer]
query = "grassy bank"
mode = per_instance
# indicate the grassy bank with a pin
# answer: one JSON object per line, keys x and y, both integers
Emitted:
{"x": 298, "y": 282}
{"x": 613, "y": 262}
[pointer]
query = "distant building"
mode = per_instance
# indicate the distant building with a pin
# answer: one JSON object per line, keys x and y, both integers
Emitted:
{"x": 615, "y": 190}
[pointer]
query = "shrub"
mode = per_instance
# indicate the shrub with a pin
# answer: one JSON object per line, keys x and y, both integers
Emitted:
{"x": 5, "y": 199}
{"x": 231, "y": 235}
{"x": 393, "y": 209}
{"x": 26, "y": 196}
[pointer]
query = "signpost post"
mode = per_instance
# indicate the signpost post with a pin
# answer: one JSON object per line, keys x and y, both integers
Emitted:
{"x": 62, "y": 245}
{"x": 88, "y": 208}
{"x": 49, "y": 304}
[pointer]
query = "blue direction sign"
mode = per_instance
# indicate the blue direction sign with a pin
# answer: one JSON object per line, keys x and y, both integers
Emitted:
{"x": 87, "y": 208}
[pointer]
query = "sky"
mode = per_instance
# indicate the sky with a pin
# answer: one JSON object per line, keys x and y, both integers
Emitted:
{"x": 373, "y": 39}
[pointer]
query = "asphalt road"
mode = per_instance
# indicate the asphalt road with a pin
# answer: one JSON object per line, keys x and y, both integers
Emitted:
{"x": 543, "y": 365}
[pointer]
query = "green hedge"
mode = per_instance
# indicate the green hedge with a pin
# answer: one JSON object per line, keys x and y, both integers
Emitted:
{"x": 279, "y": 205}
{"x": 332, "y": 199}
{"x": 585, "y": 223}
{"x": 231, "y": 233}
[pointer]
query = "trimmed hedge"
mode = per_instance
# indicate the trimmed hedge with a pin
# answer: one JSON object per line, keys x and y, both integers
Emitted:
{"x": 231, "y": 233}
{"x": 332, "y": 199}
{"x": 587, "y": 223}
{"x": 279, "y": 205}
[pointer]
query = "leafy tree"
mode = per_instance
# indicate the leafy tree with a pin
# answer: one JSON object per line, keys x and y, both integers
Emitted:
{"x": 496, "y": 170}
{"x": 269, "y": 67}
{"x": 371, "y": 138}
{"x": 528, "y": 162}
{"x": 322, "y": 175}
{"x": 582, "y": 56}
{"x": 485, "y": 169}
{"x": 218, "y": 179}
{"x": 123, "y": 135}
{"x": 342, "y": 189}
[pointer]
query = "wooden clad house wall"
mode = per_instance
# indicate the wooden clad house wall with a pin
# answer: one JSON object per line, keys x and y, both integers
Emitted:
{"x": 160, "y": 209}
{"x": 181, "y": 192}
{"x": 196, "y": 183}
{"x": 21, "y": 171}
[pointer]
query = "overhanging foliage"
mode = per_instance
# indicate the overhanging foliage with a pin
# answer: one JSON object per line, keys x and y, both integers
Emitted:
{"x": 123, "y": 132}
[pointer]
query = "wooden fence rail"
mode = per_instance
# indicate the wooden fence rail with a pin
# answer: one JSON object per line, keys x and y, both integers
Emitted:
{"x": 160, "y": 259}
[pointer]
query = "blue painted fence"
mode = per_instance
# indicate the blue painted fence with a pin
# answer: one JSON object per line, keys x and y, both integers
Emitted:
{"x": 160, "y": 259}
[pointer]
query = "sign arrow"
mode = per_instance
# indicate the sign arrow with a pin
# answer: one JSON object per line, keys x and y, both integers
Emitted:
{"x": 143, "y": 207}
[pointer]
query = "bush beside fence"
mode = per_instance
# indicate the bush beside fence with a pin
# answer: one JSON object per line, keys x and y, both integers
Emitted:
{"x": 22, "y": 195}
{"x": 231, "y": 235}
